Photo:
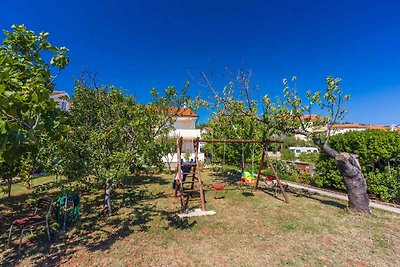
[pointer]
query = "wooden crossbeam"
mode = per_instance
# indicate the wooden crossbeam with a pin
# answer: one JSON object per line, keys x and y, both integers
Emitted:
{"x": 237, "y": 141}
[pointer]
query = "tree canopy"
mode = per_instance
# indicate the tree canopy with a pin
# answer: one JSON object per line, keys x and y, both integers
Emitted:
{"x": 26, "y": 81}
{"x": 111, "y": 136}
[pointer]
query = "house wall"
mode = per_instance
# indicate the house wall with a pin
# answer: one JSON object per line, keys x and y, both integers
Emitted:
{"x": 185, "y": 123}
{"x": 297, "y": 150}
{"x": 344, "y": 130}
{"x": 185, "y": 127}
{"x": 63, "y": 104}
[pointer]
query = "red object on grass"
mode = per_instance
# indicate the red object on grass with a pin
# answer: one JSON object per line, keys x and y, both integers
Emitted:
{"x": 270, "y": 178}
{"x": 218, "y": 187}
{"x": 29, "y": 220}
{"x": 244, "y": 180}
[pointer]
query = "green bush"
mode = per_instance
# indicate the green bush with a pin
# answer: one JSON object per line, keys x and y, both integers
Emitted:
{"x": 379, "y": 157}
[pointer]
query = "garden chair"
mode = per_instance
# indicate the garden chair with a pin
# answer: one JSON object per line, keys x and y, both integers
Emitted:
{"x": 40, "y": 216}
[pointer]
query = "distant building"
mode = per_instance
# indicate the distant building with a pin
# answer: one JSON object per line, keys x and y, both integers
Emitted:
{"x": 313, "y": 124}
{"x": 347, "y": 127}
{"x": 206, "y": 130}
{"x": 297, "y": 150}
{"x": 63, "y": 99}
{"x": 184, "y": 126}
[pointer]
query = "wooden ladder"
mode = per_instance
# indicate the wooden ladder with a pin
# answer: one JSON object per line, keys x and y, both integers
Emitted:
{"x": 190, "y": 170}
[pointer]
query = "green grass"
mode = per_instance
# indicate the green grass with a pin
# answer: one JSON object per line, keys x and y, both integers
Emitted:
{"x": 19, "y": 189}
{"x": 251, "y": 228}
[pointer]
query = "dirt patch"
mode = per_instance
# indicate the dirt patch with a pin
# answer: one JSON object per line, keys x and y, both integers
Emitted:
{"x": 327, "y": 239}
{"x": 356, "y": 263}
{"x": 205, "y": 230}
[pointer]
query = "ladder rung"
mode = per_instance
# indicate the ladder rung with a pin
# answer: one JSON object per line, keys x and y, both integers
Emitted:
{"x": 189, "y": 164}
{"x": 190, "y": 190}
{"x": 188, "y": 172}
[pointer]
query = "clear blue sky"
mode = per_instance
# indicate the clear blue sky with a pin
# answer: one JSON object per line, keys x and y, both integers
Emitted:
{"x": 137, "y": 45}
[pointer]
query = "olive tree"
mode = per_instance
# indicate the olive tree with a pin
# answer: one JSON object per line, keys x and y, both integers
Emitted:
{"x": 112, "y": 137}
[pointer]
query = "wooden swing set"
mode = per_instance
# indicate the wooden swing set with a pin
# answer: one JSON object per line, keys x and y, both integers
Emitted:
{"x": 190, "y": 173}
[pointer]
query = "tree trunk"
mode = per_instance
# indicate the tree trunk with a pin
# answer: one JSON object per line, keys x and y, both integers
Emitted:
{"x": 355, "y": 182}
{"x": 9, "y": 186}
{"x": 107, "y": 198}
{"x": 350, "y": 170}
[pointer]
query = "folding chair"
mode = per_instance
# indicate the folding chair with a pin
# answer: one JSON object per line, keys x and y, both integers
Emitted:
{"x": 40, "y": 216}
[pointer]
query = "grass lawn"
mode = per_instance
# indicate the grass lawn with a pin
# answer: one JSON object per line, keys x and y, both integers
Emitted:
{"x": 19, "y": 189}
{"x": 249, "y": 229}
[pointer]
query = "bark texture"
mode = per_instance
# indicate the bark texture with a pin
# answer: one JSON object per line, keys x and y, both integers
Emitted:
{"x": 354, "y": 179}
{"x": 350, "y": 170}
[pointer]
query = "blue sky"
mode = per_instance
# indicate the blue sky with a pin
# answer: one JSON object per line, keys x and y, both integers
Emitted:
{"x": 137, "y": 45}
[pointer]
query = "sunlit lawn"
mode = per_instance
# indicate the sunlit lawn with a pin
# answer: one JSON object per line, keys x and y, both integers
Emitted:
{"x": 249, "y": 229}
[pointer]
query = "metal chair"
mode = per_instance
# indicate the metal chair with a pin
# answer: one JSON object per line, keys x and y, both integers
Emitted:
{"x": 40, "y": 216}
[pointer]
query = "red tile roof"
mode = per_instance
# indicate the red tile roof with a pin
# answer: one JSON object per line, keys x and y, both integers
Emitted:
{"x": 349, "y": 125}
{"x": 311, "y": 117}
{"x": 378, "y": 127}
{"x": 359, "y": 126}
{"x": 183, "y": 112}
{"x": 58, "y": 93}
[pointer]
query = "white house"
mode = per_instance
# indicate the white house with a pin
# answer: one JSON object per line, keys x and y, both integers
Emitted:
{"x": 313, "y": 123}
{"x": 297, "y": 150}
{"x": 184, "y": 126}
{"x": 347, "y": 127}
{"x": 206, "y": 130}
{"x": 62, "y": 97}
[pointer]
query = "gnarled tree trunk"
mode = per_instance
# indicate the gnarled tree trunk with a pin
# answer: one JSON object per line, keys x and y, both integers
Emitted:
{"x": 350, "y": 170}
{"x": 355, "y": 182}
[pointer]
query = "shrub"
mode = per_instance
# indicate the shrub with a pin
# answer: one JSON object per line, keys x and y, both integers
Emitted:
{"x": 379, "y": 157}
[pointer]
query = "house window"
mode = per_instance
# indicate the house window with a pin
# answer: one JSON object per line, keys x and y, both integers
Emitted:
{"x": 297, "y": 150}
{"x": 63, "y": 105}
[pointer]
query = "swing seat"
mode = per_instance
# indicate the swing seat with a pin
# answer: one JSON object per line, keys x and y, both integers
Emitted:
{"x": 270, "y": 178}
{"x": 218, "y": 187}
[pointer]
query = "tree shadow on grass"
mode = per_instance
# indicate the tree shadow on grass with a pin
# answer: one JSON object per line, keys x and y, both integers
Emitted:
{"x": 270, "y": 191}
{"x": 133, "y": 211}
{"x": 174, "y": 221}
{"x": 18, "y": 207}
{"x": 145, "y": 180}
{"x": 248, "y": 194}
{"x": 313, "y": 196}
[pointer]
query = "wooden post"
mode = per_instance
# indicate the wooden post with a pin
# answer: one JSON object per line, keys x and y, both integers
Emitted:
{"x": 198, "y": 171}
{"x": 276, "y": 176}
{"x": 180, "y": 175}
{"x": 260, "y": 167}
{"x": 178, "y": 163}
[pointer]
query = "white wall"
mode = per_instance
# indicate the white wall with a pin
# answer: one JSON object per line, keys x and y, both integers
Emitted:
{"x": 344, "y": 130}
{"x": 297, "y": 150}
{"x": 185, "y": 123}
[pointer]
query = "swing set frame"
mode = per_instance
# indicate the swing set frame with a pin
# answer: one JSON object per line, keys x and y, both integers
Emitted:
{"x": 264, "y": 156}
